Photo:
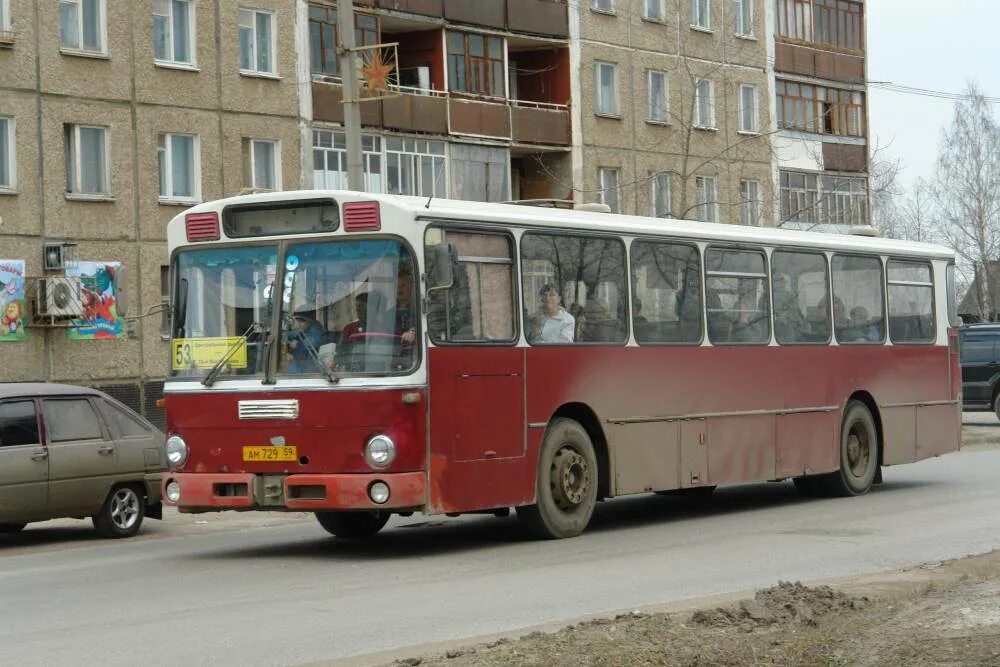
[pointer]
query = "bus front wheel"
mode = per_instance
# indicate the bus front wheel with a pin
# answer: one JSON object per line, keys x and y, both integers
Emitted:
{"x": 352, "y": 524}
{"x": 566, "y": 484}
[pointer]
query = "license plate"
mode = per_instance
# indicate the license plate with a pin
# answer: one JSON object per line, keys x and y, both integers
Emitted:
{"x": 270, "y": 454}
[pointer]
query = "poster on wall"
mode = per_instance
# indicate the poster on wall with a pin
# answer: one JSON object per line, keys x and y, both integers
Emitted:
{"x": 98, "y": 293}
{"x": 12, "y": 303}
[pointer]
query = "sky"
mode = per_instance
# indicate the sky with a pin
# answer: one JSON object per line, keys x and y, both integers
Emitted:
{"x": 932, "y": 44}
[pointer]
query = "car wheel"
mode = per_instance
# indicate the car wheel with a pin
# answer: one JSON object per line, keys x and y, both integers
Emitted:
{"x": 122, "y": 513}
{"x": 996, "y": 405}
{"x": 859, "y": 454}
{"x": 352, "y": 524}
{"x": 8, "y": 528}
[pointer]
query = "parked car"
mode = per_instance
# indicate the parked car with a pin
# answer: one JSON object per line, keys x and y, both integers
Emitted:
{"x": 979, "y": 352}
{"x": 68, "y": 451}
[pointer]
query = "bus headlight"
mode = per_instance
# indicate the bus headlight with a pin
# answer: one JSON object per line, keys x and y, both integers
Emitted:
{"x": 378, "y": 492}
{"x": 177, "y": 451}
{"x": 380, "y": 451}
{"x": 173, "y": 491}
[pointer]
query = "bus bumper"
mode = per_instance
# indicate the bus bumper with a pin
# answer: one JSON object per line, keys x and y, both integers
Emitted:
{"x": 214, "y": 492}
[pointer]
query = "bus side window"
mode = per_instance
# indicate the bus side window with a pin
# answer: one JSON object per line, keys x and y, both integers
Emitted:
{"x": 911, "y": 302}
{"x": 666, "y": 292}
{"x": 479, "y": 306}
{"x": 737, "y": 296}
{"x": 858, "y": 303}
{"x": 801, "y": 297}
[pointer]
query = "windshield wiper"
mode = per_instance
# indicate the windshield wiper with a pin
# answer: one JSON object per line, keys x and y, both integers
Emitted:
{"x": 327, "y": 372}
{"x": 209, "y": 378}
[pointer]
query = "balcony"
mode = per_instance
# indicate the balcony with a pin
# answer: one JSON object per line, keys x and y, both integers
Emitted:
{"x": 548, "y": 18}
{"x": 542, "y": 17}
{"x": 433, "y": 8}
{"x": 540, "y": 123}
{"x": 479, "y": 117}
{"x": 416, "y": 110}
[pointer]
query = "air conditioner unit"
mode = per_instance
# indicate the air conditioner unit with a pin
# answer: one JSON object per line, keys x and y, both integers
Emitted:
{"x": 415, "y": 77}
{"x": 60, "y": 296}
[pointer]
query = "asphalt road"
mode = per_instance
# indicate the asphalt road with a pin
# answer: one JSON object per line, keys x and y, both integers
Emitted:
{"x": 267, "y": 590}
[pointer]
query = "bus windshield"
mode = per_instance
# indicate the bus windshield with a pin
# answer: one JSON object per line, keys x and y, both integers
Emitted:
{"x": 344, "y": 308}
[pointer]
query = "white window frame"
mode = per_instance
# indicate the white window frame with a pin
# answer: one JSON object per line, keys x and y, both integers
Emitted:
{"x": 661, "y": 11}
{"x": 5, "y": 20}
{"x": 698, "y": 120}
{"x": 750, "y": 208}
{"x": 254, "y": 55}
{"x": 602, "y": 172}
{"x": 701, "y": 14}
{"x": 599, "y": 98}
{"x": 660, "y": 183}
{"x": 651, "y": 103}
{"x": 167, "y": 167}
{"x": 603, "y": 6}
{"x": 250, "y": 142}
{"x": 11, "y": 156}
{"x": 337, "y": 180}
{"x": 102, "y": 29}
{"x": 707, "y": 198}
{"x": 753, "y": 127}
{"x": 191, "y": 35}
{"x": 75, "y": 162}
{"x": 412, "y": 153}
{"x": 743, "y": 14}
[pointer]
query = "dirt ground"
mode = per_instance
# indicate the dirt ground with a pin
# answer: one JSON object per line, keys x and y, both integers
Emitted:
{"x": 945, "y": 614}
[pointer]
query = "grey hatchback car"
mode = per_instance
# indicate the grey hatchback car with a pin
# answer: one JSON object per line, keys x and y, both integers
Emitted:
{"x": 68, "y": 451}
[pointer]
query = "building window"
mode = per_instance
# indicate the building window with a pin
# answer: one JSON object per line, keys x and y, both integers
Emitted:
{"x": 809, "y": 108}
{"x": 799, "y": 197}
{"x": 744, "y": 17}
{"x": 607, "y": 88}
{"x": 330, "y": 161}
{"x": 704, "y": 104}
{"x": 5, "y": 23}
{"x": 178, "y": 158}
{"x": 749, "y": 114}
{"x": 81, "y": 25}
{"x": 659, "y": 195}
{"x": 415, "y": 167}
{"x": 609, "y": 188}
{"x": 256, "y": 41}
{"x": 173, "y": 31}
{"x": 845, "y": 200}
{"x": 475, "y": 64}
{"x": 87, "y": 160}
{"x": 8, "y": 180}
{"x": 323, "y": 37}
{"x": 607, "y": 6}
{"x": 706, "y": 198}
{"x": 261, "y": 164}
{"x": 837, "y": 23}
{"x": 750, "y": 203}
{"x": 701, "y": 14}
{"x": 658, "y": 103}
{"x": 653, "y": 10}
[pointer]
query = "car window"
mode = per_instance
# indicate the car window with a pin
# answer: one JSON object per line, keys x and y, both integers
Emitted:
{"x": 71, "y": 419}
{"x": 121, "y": 422}
{"x": 18, "y": 424}
{"x": 976, "y": 349}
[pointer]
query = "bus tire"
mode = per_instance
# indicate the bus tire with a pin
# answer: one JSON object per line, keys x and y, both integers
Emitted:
{"x": 566, "y": 483}
{"x": 859, "y": 454}
{"x": 352, "y": 524}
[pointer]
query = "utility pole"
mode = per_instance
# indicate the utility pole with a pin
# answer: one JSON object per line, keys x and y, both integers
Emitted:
{"x": 352, "y": 107}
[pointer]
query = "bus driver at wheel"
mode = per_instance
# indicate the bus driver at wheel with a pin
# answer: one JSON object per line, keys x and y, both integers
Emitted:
{"x": 553, "y": 324}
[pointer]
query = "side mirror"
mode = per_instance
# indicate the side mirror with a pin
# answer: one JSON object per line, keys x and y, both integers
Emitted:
{"x": 445, "y": 259}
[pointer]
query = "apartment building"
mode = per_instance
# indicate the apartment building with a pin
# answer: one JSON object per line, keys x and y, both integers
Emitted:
{"x": 821, "y": 141}
{"x": 672, "y": 108}
{"x": 482, "y": 107}
{"x": 114, "y": 117}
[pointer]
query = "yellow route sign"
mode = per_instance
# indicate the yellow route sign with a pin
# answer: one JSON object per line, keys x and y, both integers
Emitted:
{"x": 206, "y": 352}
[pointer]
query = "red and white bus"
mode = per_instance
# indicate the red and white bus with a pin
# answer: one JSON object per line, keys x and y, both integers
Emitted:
{"x": 358, "y": 355}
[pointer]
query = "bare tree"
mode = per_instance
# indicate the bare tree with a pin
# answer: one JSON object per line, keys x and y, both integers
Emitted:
{"x": 883, "y": 180}
{"x": 967, "y": 192}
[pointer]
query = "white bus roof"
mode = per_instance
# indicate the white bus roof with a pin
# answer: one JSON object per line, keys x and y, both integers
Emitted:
{"x": 422, "y": 208}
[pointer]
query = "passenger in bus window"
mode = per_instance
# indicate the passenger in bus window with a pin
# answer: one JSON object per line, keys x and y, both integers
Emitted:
{"x": 552, "y": 324}
{"x": 304, "y": 341}
{"x": 353, "y": 329}
{"x": 862, "y": 328}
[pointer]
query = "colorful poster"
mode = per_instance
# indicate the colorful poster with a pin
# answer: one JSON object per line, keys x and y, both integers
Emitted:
{"x": 100, "y": 303}
{"x": 12, "y": 303}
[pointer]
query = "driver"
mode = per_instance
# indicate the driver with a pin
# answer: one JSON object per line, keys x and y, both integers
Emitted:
{"x": 358, "y": 326}
{"x": 303, "y": 342}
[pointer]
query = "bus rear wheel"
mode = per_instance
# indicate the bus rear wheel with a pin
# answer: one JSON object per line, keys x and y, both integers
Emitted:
{"x": 566, "y": 484}
{"x": 352, "y": 524}
{"x": 859, "y": 455}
